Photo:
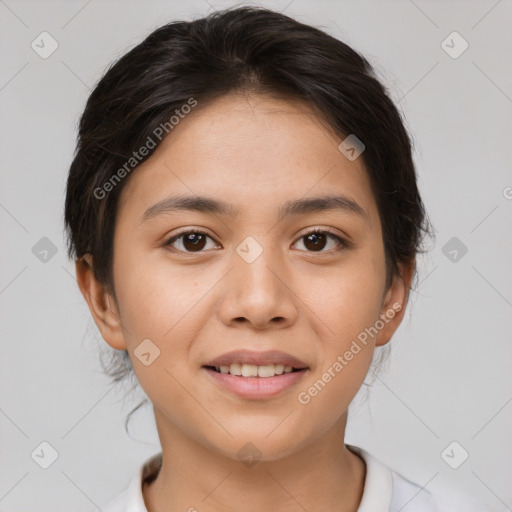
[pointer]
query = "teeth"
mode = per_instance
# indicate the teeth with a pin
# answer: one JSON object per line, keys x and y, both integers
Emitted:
{"x": 279, "y": 368}
{"x": 249, "y": 370}
{"x": 235, "y": 369}
{"x": 266, "y": 371}
{"x": 252, "y": 370}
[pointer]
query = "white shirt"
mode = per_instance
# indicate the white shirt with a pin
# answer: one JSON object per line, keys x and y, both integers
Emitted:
{"x": 384, "y": 490}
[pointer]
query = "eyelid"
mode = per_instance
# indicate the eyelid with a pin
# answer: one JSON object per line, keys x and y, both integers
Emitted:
{"x": 321, "y": 229}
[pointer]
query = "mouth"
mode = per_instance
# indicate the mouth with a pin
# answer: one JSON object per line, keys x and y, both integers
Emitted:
{"x": 256, "y": 375}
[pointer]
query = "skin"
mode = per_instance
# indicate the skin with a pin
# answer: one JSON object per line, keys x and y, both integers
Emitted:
{"x": 255, "y": 153}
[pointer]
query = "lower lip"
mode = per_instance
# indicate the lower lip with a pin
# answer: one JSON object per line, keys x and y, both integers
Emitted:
{"x": 256, "y": 387}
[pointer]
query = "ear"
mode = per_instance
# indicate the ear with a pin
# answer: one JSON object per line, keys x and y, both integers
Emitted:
{"x": 393, "y": 305}
{"x": 101, "y": 304}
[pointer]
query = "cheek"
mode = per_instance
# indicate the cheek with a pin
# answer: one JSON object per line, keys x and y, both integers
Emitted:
{"x": 348, "y": 300}
{"x": 353, "y": 307}
{"x": 348, "y": 308}
{"x": 156, "y": 297}
{"x": 347, "y": 305}
{"x": 162, "y": 304}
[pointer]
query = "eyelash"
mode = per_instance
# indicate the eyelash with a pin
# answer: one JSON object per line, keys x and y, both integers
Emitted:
{"x": 343, "y": 244}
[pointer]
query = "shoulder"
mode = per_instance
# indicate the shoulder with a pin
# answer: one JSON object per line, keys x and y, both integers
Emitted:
{"x": 411, "y": 497}
{"x": 408, "y": 496}
{"x": 386, "y": 490}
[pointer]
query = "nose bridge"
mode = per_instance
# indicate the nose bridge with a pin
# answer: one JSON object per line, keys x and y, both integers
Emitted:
{"x": 256, "y": 264}
{"x": 256, "y": 286}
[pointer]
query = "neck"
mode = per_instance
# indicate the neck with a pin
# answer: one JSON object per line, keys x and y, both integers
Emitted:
{"x": 324, "y": 475}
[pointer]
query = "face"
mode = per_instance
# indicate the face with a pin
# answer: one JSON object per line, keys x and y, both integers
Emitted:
{"x": 201, "y": 283}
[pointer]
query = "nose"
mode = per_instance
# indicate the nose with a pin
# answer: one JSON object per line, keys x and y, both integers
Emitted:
{"x": 258, "y": 293}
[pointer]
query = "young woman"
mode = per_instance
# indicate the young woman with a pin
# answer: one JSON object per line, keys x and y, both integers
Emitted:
{"x": 244, "y": 215}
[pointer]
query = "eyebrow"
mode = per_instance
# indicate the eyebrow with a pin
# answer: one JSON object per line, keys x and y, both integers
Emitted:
{"x": 209, "y": 205}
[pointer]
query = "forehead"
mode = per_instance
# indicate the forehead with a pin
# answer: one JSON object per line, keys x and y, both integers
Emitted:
{"x": 251, "y": 151}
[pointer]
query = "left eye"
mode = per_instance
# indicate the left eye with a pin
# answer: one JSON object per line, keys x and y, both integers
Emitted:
{"x": 317, "y": 240}
{"x": 314, "y": 241}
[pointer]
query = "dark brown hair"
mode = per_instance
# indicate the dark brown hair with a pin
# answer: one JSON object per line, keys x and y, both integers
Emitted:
{"x": 247, "y": 49}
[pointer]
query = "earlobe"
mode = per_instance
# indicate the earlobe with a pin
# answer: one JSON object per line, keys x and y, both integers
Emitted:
{"x": 393, "y": 308}
{"x": 100, "y": 302}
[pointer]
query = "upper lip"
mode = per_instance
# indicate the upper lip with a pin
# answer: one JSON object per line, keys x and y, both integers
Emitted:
{"x": 257, "y": 358}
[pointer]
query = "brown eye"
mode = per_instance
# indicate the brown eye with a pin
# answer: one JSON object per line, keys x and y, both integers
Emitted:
{"x": 317, "y": 240}
{"x": 191, "y": 241}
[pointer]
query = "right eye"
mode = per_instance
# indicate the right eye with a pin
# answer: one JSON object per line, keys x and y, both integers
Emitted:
{"x": 191, "y": 241}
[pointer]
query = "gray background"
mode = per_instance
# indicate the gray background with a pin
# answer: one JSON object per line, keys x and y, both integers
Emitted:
{"x": 449, "y": 375}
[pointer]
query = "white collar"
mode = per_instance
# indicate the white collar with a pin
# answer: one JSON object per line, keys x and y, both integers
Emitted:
{"x": 378, "y": 483}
